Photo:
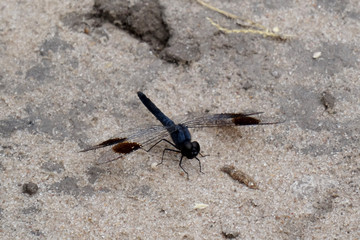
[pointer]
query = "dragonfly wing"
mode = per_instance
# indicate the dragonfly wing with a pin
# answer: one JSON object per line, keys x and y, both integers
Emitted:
{"x": 224, "y": 120}
{"x": 129, "y": 142}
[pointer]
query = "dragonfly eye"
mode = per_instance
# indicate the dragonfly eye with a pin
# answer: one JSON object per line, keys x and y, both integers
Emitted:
{"x": 190, "y": 149}
{"x": 195, "y": 147}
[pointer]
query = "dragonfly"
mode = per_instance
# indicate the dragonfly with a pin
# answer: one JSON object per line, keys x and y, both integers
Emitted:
{"x": 147, "y": 138}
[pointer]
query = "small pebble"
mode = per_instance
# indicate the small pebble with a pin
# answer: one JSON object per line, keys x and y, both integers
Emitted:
{"x": 247, "y": 85}
{"x": 30, "y": 188}
{"x": 316, "y": 55}
{"x": 154, "y": 166}
{"x": 328, "y": 101}
{"x": 230, "y": 234}
{"x": 276, "y": 29}
{"x": 275, "y": 74}
{"x": 200, "y": 206}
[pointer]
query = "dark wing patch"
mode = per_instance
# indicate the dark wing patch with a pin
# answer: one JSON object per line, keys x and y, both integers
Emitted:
{"x": 118, "y": 151}
{"x": 126, "y": 147}
{"x": 245, "y": 120}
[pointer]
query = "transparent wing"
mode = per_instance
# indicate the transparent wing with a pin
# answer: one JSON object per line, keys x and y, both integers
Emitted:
{"x": 132, "y": 140}
{"x": 128, "y": 142}
{"x": 224, "y": 120}
{"x": 147, "y": 135}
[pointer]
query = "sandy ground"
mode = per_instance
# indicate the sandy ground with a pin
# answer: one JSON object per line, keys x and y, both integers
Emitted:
{"x": 68, "y": 79}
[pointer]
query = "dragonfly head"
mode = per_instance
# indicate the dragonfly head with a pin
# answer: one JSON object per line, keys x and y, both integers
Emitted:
{"x": 190, "y": 149}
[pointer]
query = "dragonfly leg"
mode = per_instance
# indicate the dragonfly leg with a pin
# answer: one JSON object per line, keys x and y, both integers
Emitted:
{"x": 182, "y": 167}
{"x": 165, "y": 140}
{"x": 199, "y": 164}
{"x": 206, "y": 155}
{"x": 167, "y": 149}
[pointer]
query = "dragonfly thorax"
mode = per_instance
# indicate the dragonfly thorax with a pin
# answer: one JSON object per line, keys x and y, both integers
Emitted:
{"x": 190, "y": 149}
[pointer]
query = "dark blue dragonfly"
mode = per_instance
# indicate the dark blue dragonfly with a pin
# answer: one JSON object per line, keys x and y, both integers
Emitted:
{"x": 149, "y": 137}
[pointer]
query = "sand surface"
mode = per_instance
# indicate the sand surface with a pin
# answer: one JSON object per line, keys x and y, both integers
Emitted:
{"x": 69, "y": 75}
